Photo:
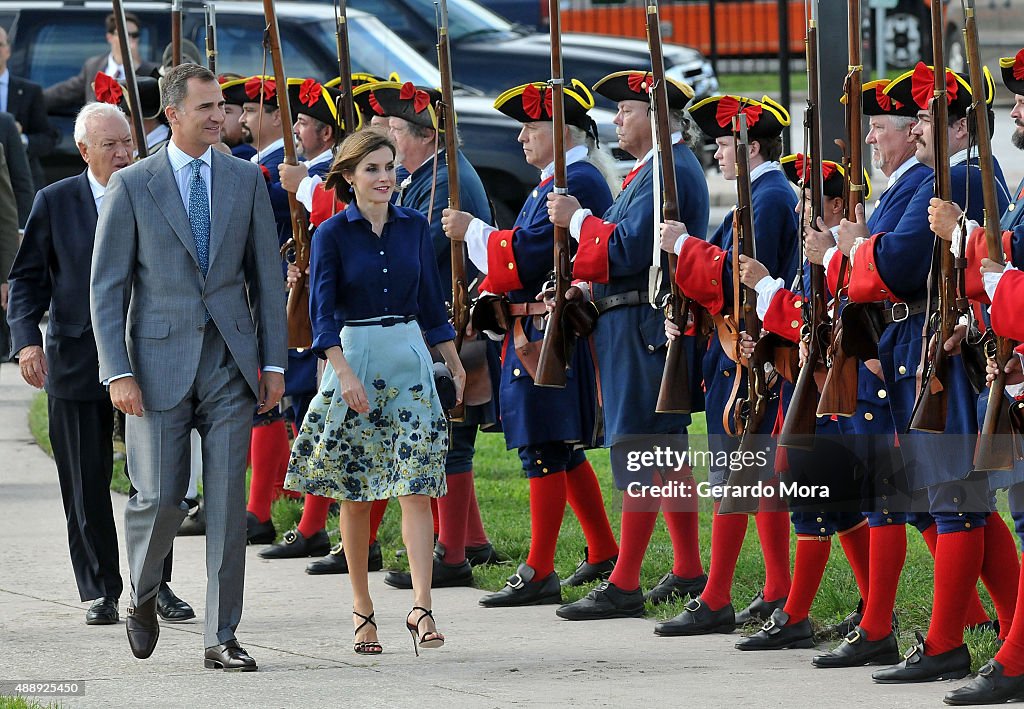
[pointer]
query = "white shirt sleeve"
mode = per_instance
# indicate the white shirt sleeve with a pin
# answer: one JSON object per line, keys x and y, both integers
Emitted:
{"x": 305, "y": 192}
{"x": 991, "y": 281}
{"x": 116, "y": 377}
{"x": 677, "y": 248}
{"x": 766, "y": 289}
{"x": 959, "y": 237}
{"x": 829, "y": 255}
{"x": 576, "y": 223}
{"x": 856, "y": 245}
{"x": 477, "y": 236}
{"x": 271, "y": 368}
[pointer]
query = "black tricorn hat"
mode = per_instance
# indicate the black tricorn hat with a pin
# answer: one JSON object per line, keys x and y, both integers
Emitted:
{"x": 832, "y": 173}
{"x": 1012, "y": 69}
{"x": 878, "y": 103}
{"x": 765, "y": 118}
{"x": 109, "y": 90}
{"x": 916, "y": 87}
{"x": 415, "y": 104}
{"x": 532, "y": 102}
{"x": 248, "y": 90}
{"x": 312, "y": 98}
{"x": 637, "y": 85}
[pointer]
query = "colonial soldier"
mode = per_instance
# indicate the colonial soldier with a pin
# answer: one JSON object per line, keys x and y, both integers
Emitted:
{"x": 418, "y": 137}
{"x": 703, "y": 274}
{"x": 814, "y": 521}
{"x": 1002, "y": 678}
{"x": 892, "y": 267}
{"x": 319, "y": 129}
{"x": 111, "y": 91}
{"x": 231, "y": 133}
{"x": 517, "y": 262}
{"x": 615, "y": 254}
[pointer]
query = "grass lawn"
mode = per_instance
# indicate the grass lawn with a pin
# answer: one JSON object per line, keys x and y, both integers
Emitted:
{"x": 758, "y": 84}
{"x": 7, "y": 702}
{"x": 503, "y": 495}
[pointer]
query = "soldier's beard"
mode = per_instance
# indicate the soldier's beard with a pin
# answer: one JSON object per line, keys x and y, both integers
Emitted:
{"x": 877, "y": 161}
{"x": 1018, "y": 138}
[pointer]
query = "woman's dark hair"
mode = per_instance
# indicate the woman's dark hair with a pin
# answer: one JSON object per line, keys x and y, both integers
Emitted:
{"x": 352, "y": 151}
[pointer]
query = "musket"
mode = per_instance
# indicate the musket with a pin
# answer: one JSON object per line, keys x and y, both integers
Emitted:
{"x": 929, "y": 412}
{"x": 674, "y": 393}
{"x": 210, "y": 12}
{"x": 346, "y": 104}
{"x": 554, "y": 350}
{"x": 995, "y": 444}
{"x": 839, "y": 391}
{"x": 801, "y": 416}
{"x": 128, "y": 62}
{"x": 748, "y": 413}
{"x": 447, "y": 120}
{"x": 175, "y": 32}
{"x": 300, "y": 331}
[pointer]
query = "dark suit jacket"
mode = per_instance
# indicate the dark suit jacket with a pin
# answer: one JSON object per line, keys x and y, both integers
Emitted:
{"x": 77, "y": 90}
{"x": 51, "y": 272}
{"x": 8, "y": 220}
{"x": 17, "y": 165}
{"x": 25, "y": 102}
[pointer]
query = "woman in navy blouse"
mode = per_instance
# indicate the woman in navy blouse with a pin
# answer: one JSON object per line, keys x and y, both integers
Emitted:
{"x": 376, "y": 428}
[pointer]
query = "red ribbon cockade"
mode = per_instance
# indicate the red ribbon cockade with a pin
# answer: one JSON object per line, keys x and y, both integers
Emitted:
{"x": 922, "y": 85}
{"x": 536, "y": 102}
{"x": 375, "y": 105}
{"x": 253, "y": 86}
{"x": 309, "y": 92}
{"x": 107, "y": 89}
{"x": 886, "y": 102}
{"x": 1018, "y": 66}
{"x": 729, "y": 107}
{"x": 420, "y": 98}
{"x": 640, "y": 83}
{"x": 803, "y": 163}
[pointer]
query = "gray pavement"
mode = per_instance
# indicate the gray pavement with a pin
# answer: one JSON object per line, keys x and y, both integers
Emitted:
{"x": 299, "y": 629}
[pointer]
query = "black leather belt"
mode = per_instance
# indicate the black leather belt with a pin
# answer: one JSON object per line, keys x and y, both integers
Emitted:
{"x": 633, "y": 297}
{"x": 381, "y": 322}
{"x": 901, "y": 311}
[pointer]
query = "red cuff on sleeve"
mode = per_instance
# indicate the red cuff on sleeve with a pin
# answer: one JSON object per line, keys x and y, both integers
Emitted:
{"x": 785, "y": 316}
{"x": 1007, "y": 315}
{"x": 325, "y": 205}
{"x": 1008, "y": 248}
{"x": 866, "y": 285}
{"x": 591, "y": 261}
{"x": 502, "y": 269}
{"x": 832, "y": 272}
{"x": 266, "y": 172}
{"x": 699, "y": 273}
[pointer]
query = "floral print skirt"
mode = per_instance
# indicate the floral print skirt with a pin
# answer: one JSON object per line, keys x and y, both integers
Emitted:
{"x": 399, "y": 447}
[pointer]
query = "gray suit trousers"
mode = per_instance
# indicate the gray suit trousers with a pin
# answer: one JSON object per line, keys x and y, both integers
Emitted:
{"x": 220, "y": 405}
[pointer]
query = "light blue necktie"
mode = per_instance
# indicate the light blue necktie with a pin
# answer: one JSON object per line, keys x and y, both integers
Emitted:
{"x": 199, "y": 215}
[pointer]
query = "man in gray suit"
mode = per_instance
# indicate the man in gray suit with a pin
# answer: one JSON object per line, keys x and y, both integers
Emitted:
{"x": 188, "y": 310}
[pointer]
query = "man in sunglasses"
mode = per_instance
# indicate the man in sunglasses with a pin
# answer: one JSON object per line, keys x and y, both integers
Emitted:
{"x": 77, "y": 90}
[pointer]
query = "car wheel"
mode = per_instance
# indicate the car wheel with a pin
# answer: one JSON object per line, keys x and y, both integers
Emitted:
{"x": 956, "y": 53}
{"x": 903, "y": 39}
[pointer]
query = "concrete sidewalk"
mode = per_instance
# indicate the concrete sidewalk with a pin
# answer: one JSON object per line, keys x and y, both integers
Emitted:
{"x": 299, "y": 629}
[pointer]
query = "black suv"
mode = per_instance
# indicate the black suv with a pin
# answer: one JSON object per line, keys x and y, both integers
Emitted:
{"x": 50, "y": 41}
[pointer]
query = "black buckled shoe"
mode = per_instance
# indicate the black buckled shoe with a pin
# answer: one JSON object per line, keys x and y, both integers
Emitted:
{"x": 295, "y": 546}
{"x": 336, "y": 563}
{"x": 194, "y": 524}
{"x": 588, "y": 573}
{"x": 103, "y": 611}
{"x": 257, "y": 532}
{"x": 444, "y": 576}
{"x": 171, "y": 608}
{"x": 918, "y": 667}
{"x": 698, "y": 619}
{"x": 522, "y": 590}
{"x": 230, "y": 657}
{"x": 779, "y": 634}
{"x": 143, "y": 628}
{"x": 606, "y": 600}
{"x": 990, "y": 686}
{"x": 484, "y": 554}
{"x": 672, "y": 587}
{"x": 759, "y": 610}
{"x": 846, "y": 625}
{"x": 856, "y": 650}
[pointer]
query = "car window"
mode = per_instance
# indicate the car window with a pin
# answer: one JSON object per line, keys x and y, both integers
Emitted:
{"x": 240, "y": 48}
{"x": 464, "y": 18}
{"x": 398, "y": 17}
{"x": 377, "y": 50}
{"x": 58, "y": 49}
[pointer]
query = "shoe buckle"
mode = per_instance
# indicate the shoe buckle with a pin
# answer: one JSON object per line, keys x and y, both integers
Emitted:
{"x": 515, "y": 581}
{"x": 693, "y": 605}
{"x": 290, "y": 536}
{"x": 853, "y": 637}
{"x": 987, "y": 669}
{"x": 769, "y": 625}
{"x": 911, "y": 651}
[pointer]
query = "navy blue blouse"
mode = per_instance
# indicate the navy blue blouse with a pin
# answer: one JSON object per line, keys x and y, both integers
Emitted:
{"x": 356, "y": 275}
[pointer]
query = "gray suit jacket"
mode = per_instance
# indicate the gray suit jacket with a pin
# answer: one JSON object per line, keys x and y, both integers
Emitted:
{"x": 149, "y": 296}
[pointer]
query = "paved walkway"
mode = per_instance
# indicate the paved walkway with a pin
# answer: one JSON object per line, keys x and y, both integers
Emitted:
{"x": 299, "y": 630}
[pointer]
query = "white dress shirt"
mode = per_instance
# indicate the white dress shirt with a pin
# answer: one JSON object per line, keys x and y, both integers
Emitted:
{"x": 5, "y": 83}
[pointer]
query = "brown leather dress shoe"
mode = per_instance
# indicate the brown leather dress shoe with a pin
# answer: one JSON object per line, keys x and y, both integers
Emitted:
{"x": 230, "y": 657}
{"x": 143, "y": 628}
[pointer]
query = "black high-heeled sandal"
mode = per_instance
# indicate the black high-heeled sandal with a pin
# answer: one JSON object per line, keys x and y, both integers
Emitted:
{"x": 366, "y": 647}
{"x": 421, "y": 640}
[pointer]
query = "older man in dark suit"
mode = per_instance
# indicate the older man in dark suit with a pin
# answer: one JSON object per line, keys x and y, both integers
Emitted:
{"x": 24, "y": 100}
{"x": 51, "y": 272}
{"x": 76, "y": 90}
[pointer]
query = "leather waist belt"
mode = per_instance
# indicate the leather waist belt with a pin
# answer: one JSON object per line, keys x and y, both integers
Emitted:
{"x": 633, "y": 297}
{"x": 901, "y": 311}
{"x": 519, "y": 309}
{"x": 381, "y": 322}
